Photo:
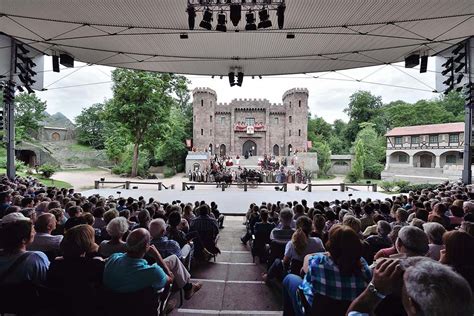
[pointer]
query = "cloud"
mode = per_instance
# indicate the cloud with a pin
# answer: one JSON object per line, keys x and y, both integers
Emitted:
{"x": 72, "y": 90}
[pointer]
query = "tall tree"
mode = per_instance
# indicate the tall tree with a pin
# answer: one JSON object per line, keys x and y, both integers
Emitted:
{"x": 363, "y": 106}
{"x": 373, "y": 147}
{"x": 319, "y": 129}
{"x": 324, "y": 156}
{"x": 90, "y": 126}
{"x": 359, "y": 160}
{"x": 141, "y": 104}
{"x": 173, "y": 149}
{"x": 29, "y": 112}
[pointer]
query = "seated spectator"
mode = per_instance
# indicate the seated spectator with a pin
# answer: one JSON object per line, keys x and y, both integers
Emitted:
{"x": 207, "y": 231}
{"x": 76, "y": 274}
{"x": 284, "y": 232}
{"x": 459, "y": 254}
{"x": 439, "y": 215}
{"x": 417, "y": 223}
{"x": 75, "y": 217}
{"x": 319, "y": 221}
{"x": 368, "y": 218}
{"x": 429, "y": 288}
{"x": 262, "y": 231}
{"x": 387, "y": 252}
{"x": 108, "y": 216}
{"x": 301, "y": 244}
{"x": 219, "y": 217}
{"x": 44, "y": 241}
{"x": 253, "y": 218}
{"x": 60, "y": 220}
{"x": 382, "y": 239}
{"x": 411, "y": 242}
{"x": 457, "y": 213}
{"x": 5, "y": 199}
{"x": 144, "y": 219}
{"x": 165, "y": 246}
{"x": 341, "y": 273}
{"x": 331, "y": 219}
{"x": 98, "y": 213}
{"x": 16, "y": 263}
{"x": 435, "y": 232}
{"x": 129, "y": 272}
{"x": 188, "y": 213}
{"x": 401, "y": 217}
{"x": 30, "y": 213}
{"x": 299, "y": 211}
{"x": 116, "y": 229}
{"x": 174, "y": 232}
{"x": 353, "y": 223}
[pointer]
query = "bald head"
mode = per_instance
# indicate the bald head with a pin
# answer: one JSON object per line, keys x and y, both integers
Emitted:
{"x": 138, "y": 242}
{"x": 45, "y": 223}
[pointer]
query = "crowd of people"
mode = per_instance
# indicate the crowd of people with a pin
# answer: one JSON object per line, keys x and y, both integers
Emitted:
{"x": 80, "y": 246}
{"x": 406, "y": 255}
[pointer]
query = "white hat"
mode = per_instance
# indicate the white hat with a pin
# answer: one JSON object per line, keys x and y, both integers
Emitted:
{"x": 14, "y": 217}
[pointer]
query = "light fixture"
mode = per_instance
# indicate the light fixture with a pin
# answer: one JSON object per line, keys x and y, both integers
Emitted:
{"x": 235, "y": 13}
{"x": 250, "y": 18}
{"x": 424, "y": 64}
{"x": 206, "y": 20}
{"x": 183, "y": 36}
{"x": 281, "y": 15}
{"x": 240, "y": 78}
{"x": 264, "y": 19}
{"x": 290, "y": 35}
{"x": 412, "y": 60}
{"x": 221, "y": 22}
{"x": 191, "y": 17}
{"x": 231, "y": 78}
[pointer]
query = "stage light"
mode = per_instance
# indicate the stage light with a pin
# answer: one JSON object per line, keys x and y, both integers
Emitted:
{"x": 250, "y": 18}
{"x": 55, "y": 63}
{"x": 281, "y": 15}
{"x": 264, "y": 19}
{"x": 221, "y": 21}
{"x": 66, "y": 60}
{"x": 290, "y": 35}
{"x": 191, "y": 17}
{"x": 235, "y": 13}
{"x": 183, "y": 36}
{"x": 206, "y": 20}
{"x": 458, "y": 49}
{"x": 412, "y": 61}
{"x": 240, "y": 78}
{"x": 424, "y": 64}
{"x": 231, "y": 79}
{"x": 460, "y": 58}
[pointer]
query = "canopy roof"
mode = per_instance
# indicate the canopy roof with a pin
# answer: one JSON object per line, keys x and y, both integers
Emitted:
{"x": 329, "y": 34}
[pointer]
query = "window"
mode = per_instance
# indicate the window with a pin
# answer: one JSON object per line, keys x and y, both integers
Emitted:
{"x": 210, "y": 118}
{"x": 290, "y": 104}
{"x": 210, "y": 132}
{"x": 289, "y": 132}
{"x": 202, "y": 132}
{"x": 202, "y": 102}
{"x": 415, "y": 139}
{"x": 398, "y": 140}
{"x": 222, "y": 120}
{"x": 299, "y": 103}
{"x": 433, "y": 139}
{"x": 299, "y": 132}
{"x": 290, "y": 118}
{"x": 277, "y": 121}
{"x": 250, "y": 121}
{"x": 451, "y": 159}
{"x": 403, "y": 158}
{"x": 453, "y": 138}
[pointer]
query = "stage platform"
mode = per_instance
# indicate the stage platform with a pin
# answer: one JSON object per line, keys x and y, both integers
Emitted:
{"x": 235, "y": 200}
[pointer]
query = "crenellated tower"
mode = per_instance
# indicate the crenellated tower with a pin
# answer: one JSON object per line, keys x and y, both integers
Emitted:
{"x": 204, "y": 103}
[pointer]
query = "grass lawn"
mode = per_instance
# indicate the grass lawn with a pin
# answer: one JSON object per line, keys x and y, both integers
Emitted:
{"x": 80, "y": 148}
{"x": 47, "y": 182}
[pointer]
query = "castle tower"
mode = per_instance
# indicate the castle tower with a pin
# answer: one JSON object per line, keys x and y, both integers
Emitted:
{"x": 204, "y": 102}
{"x": 296, "y": 122}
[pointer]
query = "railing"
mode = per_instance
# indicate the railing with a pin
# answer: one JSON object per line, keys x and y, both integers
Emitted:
{"x": 126, "y": 184}
{"x": 190, "y": 185}
{"x": 343, "y": 187}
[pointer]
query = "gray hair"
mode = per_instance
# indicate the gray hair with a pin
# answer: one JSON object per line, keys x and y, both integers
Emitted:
{"x": 157, "y": 228}
{"x": 286, "y": 215}
{"x": 414, "y": 240}
{"x": 435, "y": 232}
{"x": 436, "y": 288}
{"x": 117, "y": 227}
{"x": 383, "y": 228}
{"x": 138, "y": 240}
{"x": 352, "y": 221}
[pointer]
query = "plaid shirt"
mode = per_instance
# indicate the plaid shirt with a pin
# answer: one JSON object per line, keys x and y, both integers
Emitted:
{"x": 324, "y": 278}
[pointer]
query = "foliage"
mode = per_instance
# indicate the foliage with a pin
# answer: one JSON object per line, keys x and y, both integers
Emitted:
{"x": 324, "y": 157}
{"x": 47, "y": 170}
{"x": 363, "y": 107}
{"x": 124, "y": 166}
{"x": 373, "y": 151}
{"x": 357, "y": 171}
{"x": 29, "y": 111}
{"x": 352, "y": 177}
{"x": 169, "y": 172}
{"x": 416, "y": 187}
{"x": 387, "y": 186}
{"x": 90, "y": 126}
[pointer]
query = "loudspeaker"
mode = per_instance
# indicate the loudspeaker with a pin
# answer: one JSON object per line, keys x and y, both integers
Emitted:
{"x": 56, "y": 63}
{"x": 424, "y": 64}
{"x": 67, "y": 60}
{"x": 412, "y": 61}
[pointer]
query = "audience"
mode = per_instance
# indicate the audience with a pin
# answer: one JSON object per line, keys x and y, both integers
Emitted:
{"x": 116, "y": 229}
{"x": 44, "y": 241}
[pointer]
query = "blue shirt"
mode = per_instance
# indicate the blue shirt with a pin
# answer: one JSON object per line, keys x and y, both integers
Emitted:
{"x": 33, "y": 268}
{"x": 167, "y": 247}
{"x": 125, "y": 274}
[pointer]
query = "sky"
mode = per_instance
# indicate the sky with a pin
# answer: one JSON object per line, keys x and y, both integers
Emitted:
{"x": 74, "y": 89}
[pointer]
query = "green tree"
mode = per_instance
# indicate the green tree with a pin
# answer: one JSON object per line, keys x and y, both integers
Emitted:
{"x": 324, "y": 157}
{"x": 29, "y": 111}
{"x": 374, "y": 148}
{"x": 359, "y": 160}
{"x": 90, "y": 126}
{"x": 173, "y": 149}
{"x": 319, "y": 129}
{"x": 141, "y": 105}
{"x": 454, "y": 103}
{"x": 363, "y": 107}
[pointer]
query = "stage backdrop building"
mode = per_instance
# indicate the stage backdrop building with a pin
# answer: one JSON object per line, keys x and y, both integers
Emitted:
{"x": 253, "y": 126}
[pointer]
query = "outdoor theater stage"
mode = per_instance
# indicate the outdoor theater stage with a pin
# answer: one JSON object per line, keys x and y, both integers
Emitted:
{"x": 234, "y": 200}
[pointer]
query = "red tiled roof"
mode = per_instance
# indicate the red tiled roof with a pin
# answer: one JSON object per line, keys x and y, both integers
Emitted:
{"x": 427, "y": 129}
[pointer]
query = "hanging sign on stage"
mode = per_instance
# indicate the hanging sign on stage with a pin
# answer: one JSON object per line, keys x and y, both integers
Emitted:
{"x": 250, "y": 129}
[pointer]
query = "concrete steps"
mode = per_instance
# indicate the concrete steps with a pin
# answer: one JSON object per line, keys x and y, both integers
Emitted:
{"x": 232, "y": 285}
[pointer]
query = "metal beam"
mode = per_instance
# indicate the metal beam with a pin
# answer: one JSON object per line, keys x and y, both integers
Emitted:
{"x": 467, "y": 171}
{"x": 10, "y": 120}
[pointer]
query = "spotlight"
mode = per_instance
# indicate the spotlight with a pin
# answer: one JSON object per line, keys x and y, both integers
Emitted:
{"x": 231, "y": 79}
{"x": 250, "y": 17}
{"x": 281, "y": 15}
{"x": 56, "y": 63}
{"x": 240, "y": 78}
{"x": 191, "y": 17}
{"x": 235, "y": 13}
{"x": 458, "y": 49}
{"x": 221, "y": 21}
{"x": 412, "y": 61}
{"x": 183, "y": 36}
{"x": 206, "y": 20}
{"x": 264, "y": 19}
{"x": 290, "y": 35}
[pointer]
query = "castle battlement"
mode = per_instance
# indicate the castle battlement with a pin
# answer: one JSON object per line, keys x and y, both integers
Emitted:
{"x": 294, "y": 91}
{"x": 204, "y": 90}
